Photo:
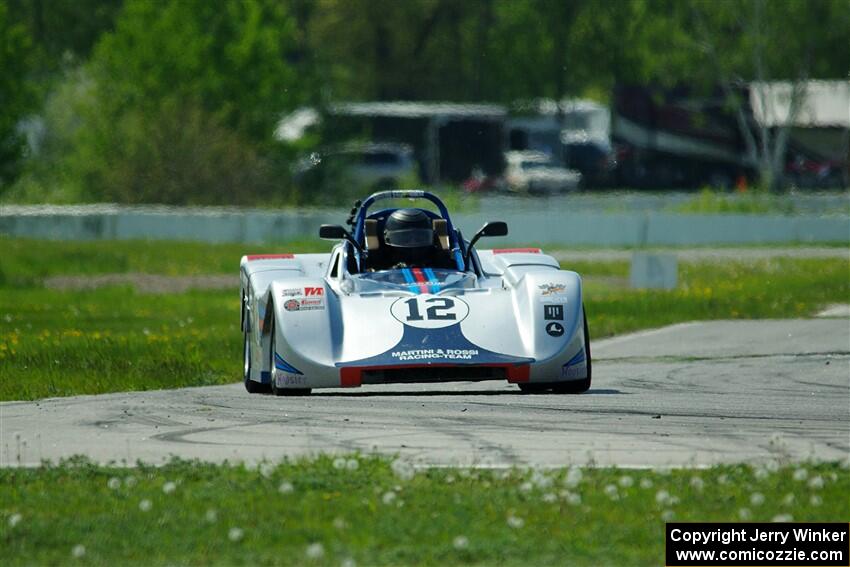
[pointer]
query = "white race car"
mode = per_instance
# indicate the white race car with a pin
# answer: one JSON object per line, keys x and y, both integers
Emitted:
{"x": 402, "y": 297}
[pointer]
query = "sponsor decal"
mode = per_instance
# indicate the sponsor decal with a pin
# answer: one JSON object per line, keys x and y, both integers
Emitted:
{"x": 555, "y": 329}
{"x": 576, "y": 367}
{"x": 293, "y": 380}
{"x": 574, "y": 371}
{"x": 552, "y": 288}
{"x": 553, "y": 312}
{"x": 304, "y": 304}
{"x": 290, "y": 292}
{"x": 429, "y": 312}
{"x": 314, "y": 291}
{"x": 312, "y": 304}
{"x": 434, "y": 353}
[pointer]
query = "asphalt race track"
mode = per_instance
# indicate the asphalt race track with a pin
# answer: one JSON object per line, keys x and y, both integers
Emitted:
{"x": 690, "y": 394}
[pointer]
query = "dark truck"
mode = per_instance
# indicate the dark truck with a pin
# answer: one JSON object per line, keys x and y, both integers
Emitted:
{"x": 671, "y": 138}
{"x": 680, "y": 138}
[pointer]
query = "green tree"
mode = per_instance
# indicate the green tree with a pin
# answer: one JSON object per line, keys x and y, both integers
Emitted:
{"x": 178, "y": 104}
{"x": 15, "y": 94}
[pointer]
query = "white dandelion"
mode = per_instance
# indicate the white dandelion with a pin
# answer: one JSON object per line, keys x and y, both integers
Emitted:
{"x": 573, "y": 499}
{"x": 14, "y": 520}
{"x": 78, "y": 551}
{"x": 348, "y": 562}
{"x": 285, "y": 487}
{"x": 541, "y": 480}
{"x": 549, "y": 497}
{"x": 339, "y": 523}
{"x": 668, "y": 515}
{"x": 645, "y": 483}
{"x": 788, "y": 500}
{"x": 515, "y": 522}
{"x": 314, "y": 551}
{"x": 744, "y": 514}
{"x": 145, "y": 505}
{"x": 611, "y": 492}
{"x": 460, "y": 542}
{"x": 352, "y": 464}
{"x": 403, "y": 470}
{"x": 114, "y": 483}
{"x": 339, "y": 463}
{"x": 450, "y": 479}
{"x": 779, "y": 518}
{"x": 235, "y": 534}
{"x": 757, "y": 499}
{"x": 815, "y": 500}
{"x": 130, "y": 481}
{"x": 573, "y": 477}
{"x": 816, "y": 482}
{"x": 772, "y": 466}
{"x": 267, "y": 469}
{"x": 525, "y": 487}
{"x": 388, "y": 497}
{"x": 169, "y": 487}
{"x": 626, "y": 481}
{"x": 723, "y": 479}
{"x": 662, "y": 497}
{"x": 801, "y": 474}
{"x": 211, "y": 516}
{"x": 761, "y": 474}
{"x": 697, "y": 483}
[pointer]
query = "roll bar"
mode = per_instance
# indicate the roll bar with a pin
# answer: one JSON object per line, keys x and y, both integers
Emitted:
{"x": 410, "y": 194}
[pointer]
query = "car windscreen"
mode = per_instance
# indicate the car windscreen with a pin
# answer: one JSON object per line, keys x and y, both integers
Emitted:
{"x": 415, "y": 280}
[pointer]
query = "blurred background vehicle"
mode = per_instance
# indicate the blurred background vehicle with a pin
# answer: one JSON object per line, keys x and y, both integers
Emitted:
{"x": 536, "y": 173}
{"x": 360, "y": 166}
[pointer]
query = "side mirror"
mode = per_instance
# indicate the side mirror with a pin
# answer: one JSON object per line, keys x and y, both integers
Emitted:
{"x": 492, "y": 228}
{"x": 332, "y": 232}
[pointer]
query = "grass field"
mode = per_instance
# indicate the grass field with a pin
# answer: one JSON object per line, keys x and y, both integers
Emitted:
{"x": 374, "y": 511}
{"x": 58, "y": 343}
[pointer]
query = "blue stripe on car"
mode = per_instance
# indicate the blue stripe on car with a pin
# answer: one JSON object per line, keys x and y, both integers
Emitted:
{"x": 408, "y": 277}
{"x": 281, "y": 364}
{"x": 432, "y": 277}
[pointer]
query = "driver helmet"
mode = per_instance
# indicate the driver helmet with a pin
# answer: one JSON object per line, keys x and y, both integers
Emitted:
{"x": 410, "y": 234}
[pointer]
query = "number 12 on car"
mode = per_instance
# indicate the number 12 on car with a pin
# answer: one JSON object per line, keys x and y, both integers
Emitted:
{"x": 430, "y": 312}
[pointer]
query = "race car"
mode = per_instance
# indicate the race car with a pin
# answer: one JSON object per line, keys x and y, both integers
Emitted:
{"x": 402, "y": 297}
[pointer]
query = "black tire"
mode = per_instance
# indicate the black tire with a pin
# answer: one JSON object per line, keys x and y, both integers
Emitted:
{"x": 535, "y": 388}
{"x": 252, "y": 386}
{"x": 572, "y": 386}
{"x": 274, "y": 389}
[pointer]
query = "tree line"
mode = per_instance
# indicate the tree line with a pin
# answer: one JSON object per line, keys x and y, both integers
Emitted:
{"x": 175, "y": 101}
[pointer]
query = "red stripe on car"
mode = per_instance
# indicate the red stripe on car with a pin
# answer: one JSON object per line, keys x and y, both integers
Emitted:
{"x": 270, "y": 257}
{"x": 421, "y": 279}
{"x": 519, "y": 373}
{"x": 351, "y": 377}
{"x": 517, "y": 251}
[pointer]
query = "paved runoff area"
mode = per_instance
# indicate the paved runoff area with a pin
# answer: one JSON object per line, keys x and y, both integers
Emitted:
{"x": 689, "y": 394}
